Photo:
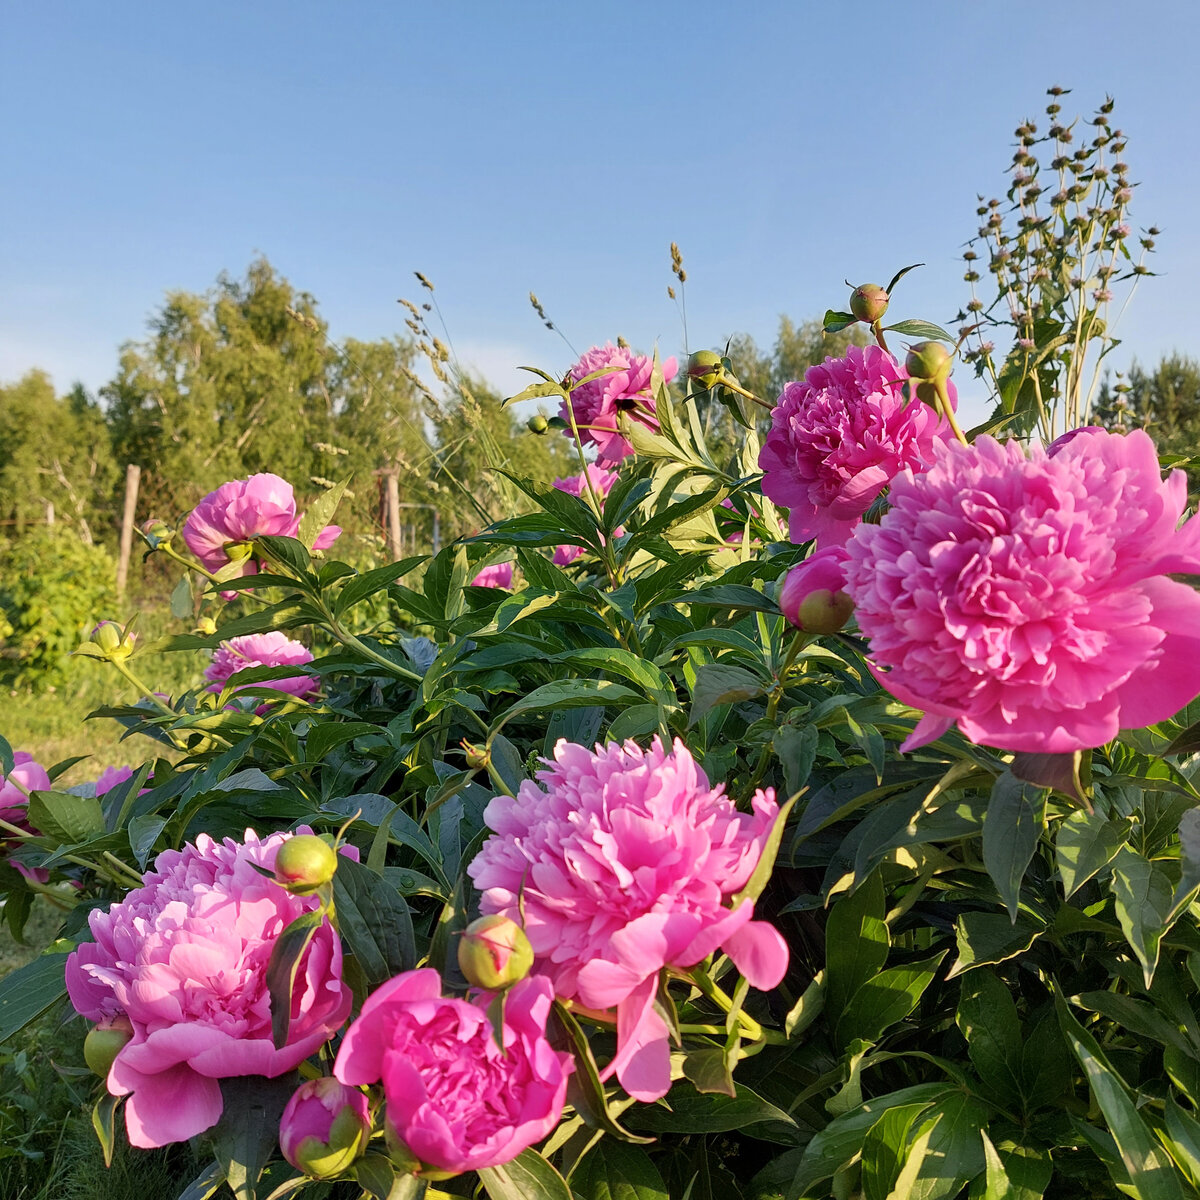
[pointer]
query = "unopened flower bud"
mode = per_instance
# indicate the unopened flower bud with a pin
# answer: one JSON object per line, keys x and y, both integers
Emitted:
{"x": 104, "y": 1042}
{"x": 929, "y": 361}
{"x": 868, "y": 302}
{"x": 478, "y": 758}
{"x": 324, "y": 1128}
{"x": 537, "y": 424}
{"x": 304, "y": 863}
{"x": 494, "y": 953}
{"x": 705, "y": 368}
{"x": 116, "y": 644}
{"x": 812, "y": 596}
{"x": 206, "y": 626}
{"x": 156, "y": 532}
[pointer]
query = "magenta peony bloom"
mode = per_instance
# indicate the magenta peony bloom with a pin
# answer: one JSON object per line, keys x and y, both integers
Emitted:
{"x": 620, "y": 865}
{"x": 261, "y": 650}
{"x": 498, "y": 575}
{"x": 184, "y": 957}
{"x": 626, "y": 388}
{"x": 813, "y": 596}
{"x": 1026, "y": 598}
{"x": 455, "y": 1099}
{"x": 838, "y": 438}
{"x": 324, "y": 1127}
{"x": 238, "y": 512}
{"x": 26, "y": 776}
{"x": 574, "y": 485}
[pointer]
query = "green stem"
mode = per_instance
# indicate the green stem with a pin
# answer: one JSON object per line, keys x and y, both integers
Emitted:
{"x": 750, "y": 1027}
{"x": 351, "y": 642}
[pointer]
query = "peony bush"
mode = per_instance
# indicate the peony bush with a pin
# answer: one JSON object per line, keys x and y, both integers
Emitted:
{"x": 810, "y": 814}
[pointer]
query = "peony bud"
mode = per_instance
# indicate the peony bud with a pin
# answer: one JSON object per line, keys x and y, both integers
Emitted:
{"x": 478, "y": 758}
{"x": 324, "y": 1128}
{"x": 305, "y": 863}
{"x": 104, "y": 1042}
{"x": 206, "y": 626}
{"x": 157, "y": 533}
{"x": 537, "y": 424}
{"x": 494, "y": 953}
{"x": 812, "y": 598}
{"x": 113, "y": 640}
{"x": 868, "y": 302}
{"x": 929, "y": 361}
{"x": 706, "y": 368}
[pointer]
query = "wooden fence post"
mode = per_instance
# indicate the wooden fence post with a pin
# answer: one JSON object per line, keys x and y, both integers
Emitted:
{"x": 395, "y": 536}
{"x": 133, "y": 475}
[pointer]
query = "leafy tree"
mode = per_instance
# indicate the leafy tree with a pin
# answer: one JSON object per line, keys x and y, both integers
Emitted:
{"x": 54, "y": 451}
{"x": 797, "y": 347}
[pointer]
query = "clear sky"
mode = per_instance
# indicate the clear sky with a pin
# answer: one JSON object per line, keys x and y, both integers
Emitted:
{"x": 558, "y": 147}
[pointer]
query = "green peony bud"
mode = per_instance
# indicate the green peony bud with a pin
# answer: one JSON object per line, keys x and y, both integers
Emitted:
{"x": 824, "y": 612}
{"x": 930, "y": 361}
{"x": 494, "y": 953}
{"x": 537, "y": 424}
{"x": 706, "y": 368}
{"x": 478, "y": 758}
{"x": 104, "y": 1042}
{"x": 116, "y": 644}
{"x": 868, "y": 302}
{"x": 304, "y": 863}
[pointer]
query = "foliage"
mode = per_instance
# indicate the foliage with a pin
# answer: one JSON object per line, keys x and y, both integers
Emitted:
{"x": 53, "y": 589}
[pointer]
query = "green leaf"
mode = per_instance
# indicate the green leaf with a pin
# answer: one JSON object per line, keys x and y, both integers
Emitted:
{"x": 835, "y": 322}
{"x": 717, "y": 683}
{"x": 104, "y": 1121}
{"x": 796, "y": 747}
{"x": 709, "y": 1112}
{"x": 65, "y": 819}
{"x": 376, "y": 1175}
{"x": 883, "y": 1149}
{"x": 856, "y": 942}
{"x": 900, "y": 274}
{"x": 1142, "y": 893}
{"x": 569, "y": 693}
{"x": 1149, "y": 1168}
{"x": 1011, "y": 827}
{"x": 708, "y": 1069}
{"x": 987, "y": 1017}
{"x": 6, "y": 757}
{"x": 766, "y": 859}
{"x": 537, "y": 391}
{"x": 985, "y": 938}
{"x": 320, "y": 513}
{"x": 617, "y": 1171}
{"x": 925, "y": 330}
{"x": 1189, "y": 861}
{"x": 999, "y": 1186}
{"x": 906, "y": 1180}
{"x": 248, "y": 1132}
{"x": 954, "y": 1149}
{"x": 286, "y": 953}
{"x": 27, "y": 992}
{"x": 1183, "y": 1141}
{"x": 645, "y": 675}
{"x": 182, "y": 605}
{"x": 885, "y": 999}
{"x": 374, "y": 921}
{"x": 205, "y": 1184}
{"x": 1086, "y": 843}
{"x": 527, "y": 1177}
{"x": 361, "y": 587}
{"x": 287, "y": 551}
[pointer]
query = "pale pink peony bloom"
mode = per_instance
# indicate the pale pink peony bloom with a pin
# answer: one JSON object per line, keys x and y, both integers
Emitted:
{"x": 618, "y": 865}
{"x": 838, "y": 437}
{"x": 455, "y": 1098}
{"x": 625, "y": 388}
{"x": 498, "y": 575}
{"x": 261, "y": 650}
{"x": 1026, "y": 598}
{"x": 574, "y": 485}
{"x": 185, "y": 957}
{"x": 238, "y": 512}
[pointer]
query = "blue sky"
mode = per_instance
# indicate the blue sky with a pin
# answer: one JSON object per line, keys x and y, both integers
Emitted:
{"x": 558, "y": 147}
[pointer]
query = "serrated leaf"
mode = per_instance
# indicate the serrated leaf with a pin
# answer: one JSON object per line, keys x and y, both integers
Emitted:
{"x": 1011, "y": 828}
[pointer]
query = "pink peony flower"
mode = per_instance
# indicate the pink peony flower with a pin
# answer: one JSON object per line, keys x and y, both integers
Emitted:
{"x": 184, "y": 957}
{"x": 619, "y": 865}
{"x": 111, "y": 776}
{"x": 238, "y": 512}
{"x": 1026, "y": 598}
{"x": 839, "y": 437}
{"x": 26, "y": 776}
{"x": 261, "y": 650}
{"x": 498, "y": 575}
{"x": 324, "y": 1127}
{"x": 625, "y": 388}
{"x": 455, "y": 1098}
{"x": 574, "y": 485}
{"x": 813, "y": 596}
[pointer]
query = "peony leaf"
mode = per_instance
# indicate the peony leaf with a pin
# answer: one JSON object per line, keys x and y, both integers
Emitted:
{"x": 1011, "y": 828}
{"x": 617, "y": 1171}
{"x": 527, "y": 1177}
{"x": 182, "y": 605}
{"x": 691, "y": 1111}
{"x": 286, "y": 954}
{"x": 320, "y": 513}
{"x": 985, "y": 938}
{"x": 1142, "y": 893}
{"x": 885, "y": 999}
{"x": 374, "y": 920}
{"x": 835, "y": 322}
{"x": 6, "y": 757}
{"x": 717, "y": 684}
{"x": 104, "y": 1118}
{"x": 1086, "y": 843}
{"x": 926, "y": 330}
{"x": 247, "y": 1134}
{"x": 884, "y": 1147}
{"x": 900, "y": 274}
{"x": 64, "y": 818}
{"x": 205, "y": 1184}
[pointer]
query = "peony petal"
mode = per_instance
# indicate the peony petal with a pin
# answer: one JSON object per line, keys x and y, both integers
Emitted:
{"x": 167, "y": 1106}
{"x": 760, "y": 953}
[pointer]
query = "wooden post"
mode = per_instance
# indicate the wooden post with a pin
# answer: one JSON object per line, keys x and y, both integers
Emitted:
{"x": 133, "y": 475}
{"x": 49, "y": 512}
{"x": 395, "y": 536}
